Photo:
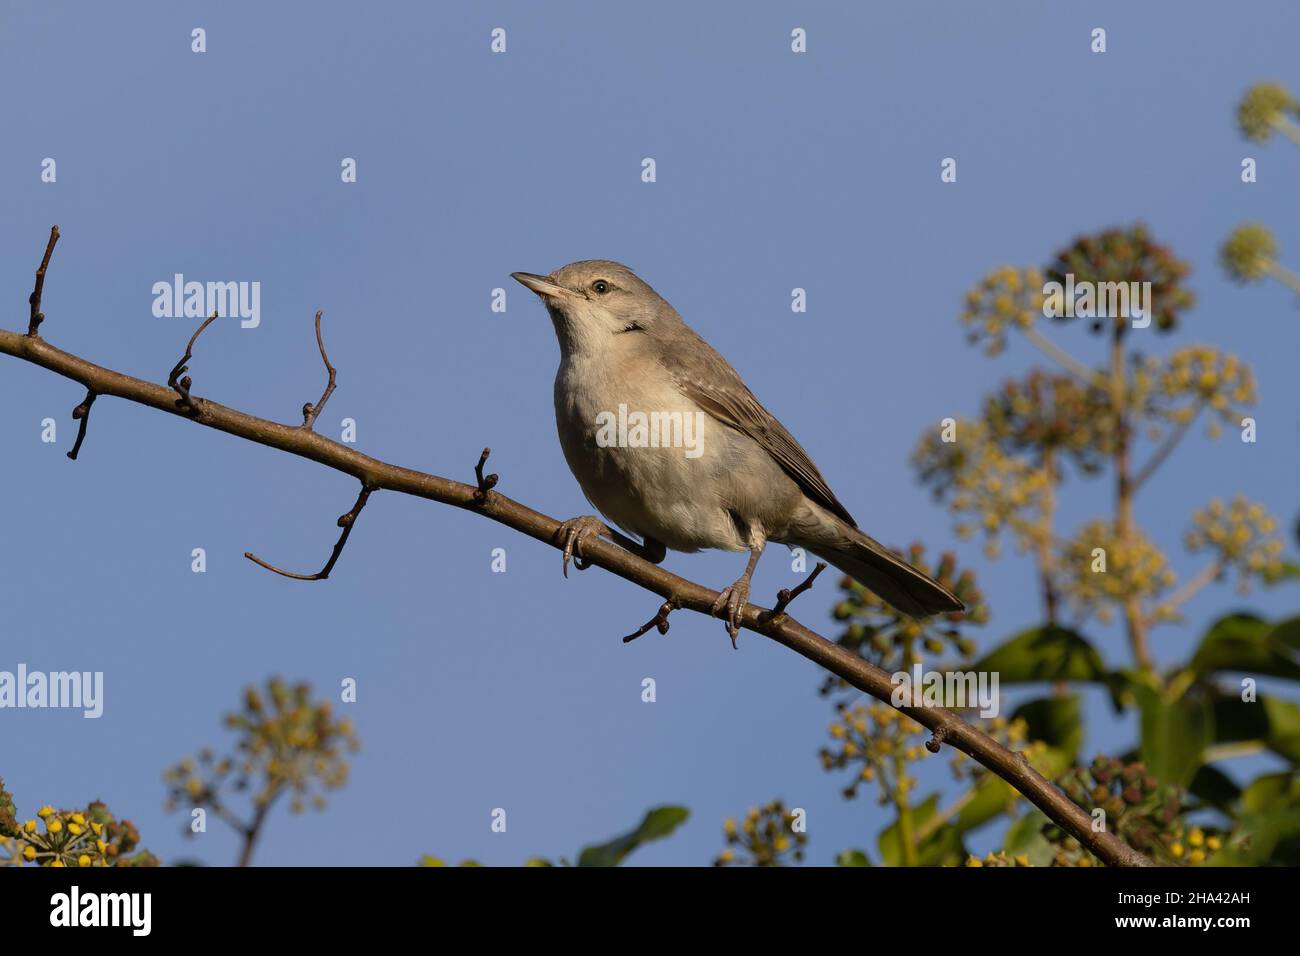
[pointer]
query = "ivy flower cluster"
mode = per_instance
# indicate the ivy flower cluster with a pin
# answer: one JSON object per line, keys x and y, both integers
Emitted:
{"x": 988, "y": 491}
{"x": 1126, "y": 255}
{"x": 1241, "y": 535}
{"x": 877, "y": 742}
{"x": 68, "y": 838}
{"x": 1264, "y": 109}
{"x": 1248, "y": 253}
{"x": 1202, "y": 376}
{"x": 1006, "y": 298}
{"x": 1134, "y": 568}
{"x": 1052, "y": 414}
{"x": 765, "y": 837}
{"x": 287, "y": 744}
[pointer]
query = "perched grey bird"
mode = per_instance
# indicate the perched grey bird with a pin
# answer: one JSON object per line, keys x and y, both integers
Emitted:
{"x": 744, "y": 482}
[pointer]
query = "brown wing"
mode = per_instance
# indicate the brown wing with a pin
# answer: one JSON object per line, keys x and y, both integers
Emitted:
{"x": 706, "y": 378}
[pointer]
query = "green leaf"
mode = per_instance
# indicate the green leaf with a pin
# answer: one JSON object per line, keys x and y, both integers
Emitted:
{"x": 1174, "y": 733}
{"x": 1286, "y": 571}
{"x": 943, "y": 847}
{"x": 852, "y": 858}
{"x": 1244, "y": 643}
{"x": 658, "y": 823}
{"x": 1268, "y": 824}
{"x": 1055, "y": 721}
{"x": 1025, "y": 837}
{"x": 1044, "y": 654}
{"x": 992, "y": 796}
{"x": 1215, "y": 788}
{"x": 1271, "y": 722}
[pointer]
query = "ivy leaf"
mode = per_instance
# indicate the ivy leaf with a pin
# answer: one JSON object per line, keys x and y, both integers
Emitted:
{"x": 1055, "y": 721}
{"x": 1244, "y": 643}
{"x": 1047, "y": 653}
{"x": 1215, "y": 788}
{"x": 658, "y": 823}
{"x": 1174, "y": 733}
{"x": 1271, "y": 722}
{"x": 942, "y": 847}
{"x": 1268, "y": 824}
{"x": 1025, "y": 837}
{"x": 852, "y": 858}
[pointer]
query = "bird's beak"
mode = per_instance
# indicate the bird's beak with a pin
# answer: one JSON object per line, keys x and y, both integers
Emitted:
{"x": 541, "y": 285}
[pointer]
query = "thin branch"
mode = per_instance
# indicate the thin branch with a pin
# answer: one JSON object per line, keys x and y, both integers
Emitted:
{"x": 934, "y": 743}
{"x": 1088, "y": 376}
{"x": 310, "y": 411}
{"x": 1282, "y": 274}
{"x": 659, "y": 621}
{"x": 254, "y": 829}
{"x": 1284, "y": 125}
{"x": 1170, "y": 443}
{"x": 786, "y": 595}
{"x": 182, "y": 385}
{"x": 1185, "y": 593}
{"x": 82, "y": 414}
{"x": 485, "y": 482}
{"x": 346, "y": 522}
{"x": 34, "y": 300}
{"x": 783, "y": 629}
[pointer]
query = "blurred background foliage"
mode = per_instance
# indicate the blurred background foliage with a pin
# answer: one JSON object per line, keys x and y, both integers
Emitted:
{"x": 287, "y": 745}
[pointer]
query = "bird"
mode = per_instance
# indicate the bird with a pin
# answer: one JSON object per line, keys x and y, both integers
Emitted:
{"x": 626, "y": 352}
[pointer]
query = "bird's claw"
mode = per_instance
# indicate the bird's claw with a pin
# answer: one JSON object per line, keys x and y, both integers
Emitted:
{"x": 573, "y": 532}
{"x": 733, "y": 600}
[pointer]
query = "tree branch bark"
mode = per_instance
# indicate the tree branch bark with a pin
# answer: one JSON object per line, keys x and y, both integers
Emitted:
{"x": 378, "y": 475}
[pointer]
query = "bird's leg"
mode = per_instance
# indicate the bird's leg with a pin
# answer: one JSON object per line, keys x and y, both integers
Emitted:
{"x": 576, "y": 530}
{"x": 733, "y": 599}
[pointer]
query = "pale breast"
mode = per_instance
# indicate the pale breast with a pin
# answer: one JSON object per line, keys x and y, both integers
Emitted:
{"x": 651, "y": 461}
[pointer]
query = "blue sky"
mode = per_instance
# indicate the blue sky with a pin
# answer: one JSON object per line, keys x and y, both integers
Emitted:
{"x": 481, "y": 690}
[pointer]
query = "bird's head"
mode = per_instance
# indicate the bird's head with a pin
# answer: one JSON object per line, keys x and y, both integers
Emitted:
{"x": 595, "y": 302}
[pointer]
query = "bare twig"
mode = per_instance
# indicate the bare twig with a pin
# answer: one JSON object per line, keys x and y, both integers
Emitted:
{"x": 1087, "y": 376}
{"x": 34, "y": 300}
{"x": 346, "y": 522}
{"x": 310, "y": 411}
{"x": 935, "y": 741}
{"x": 1211, "y": 572}
{"x": 485, "y": 482}
{"x": 182, "y": 385}
{"x": 1163, "y": 452}
{"x": 659, "y": 621}
{"x": 376, "y": 474}
{"x": 82, "y": 414}
{"x": 786, "y": 595}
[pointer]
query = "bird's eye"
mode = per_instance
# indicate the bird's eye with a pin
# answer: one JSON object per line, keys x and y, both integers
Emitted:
{"x": 600, "y": 286}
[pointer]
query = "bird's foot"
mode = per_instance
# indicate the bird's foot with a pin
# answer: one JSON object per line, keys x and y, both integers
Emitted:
{"x": 573, "y": 532}
{"x": 732, "y": 601}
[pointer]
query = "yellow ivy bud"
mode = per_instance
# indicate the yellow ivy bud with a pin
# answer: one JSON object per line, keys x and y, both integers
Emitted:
{"x": 83, "y": 860}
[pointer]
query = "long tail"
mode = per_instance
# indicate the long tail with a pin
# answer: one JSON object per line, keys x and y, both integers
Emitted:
{"x": 868, "y": 562}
